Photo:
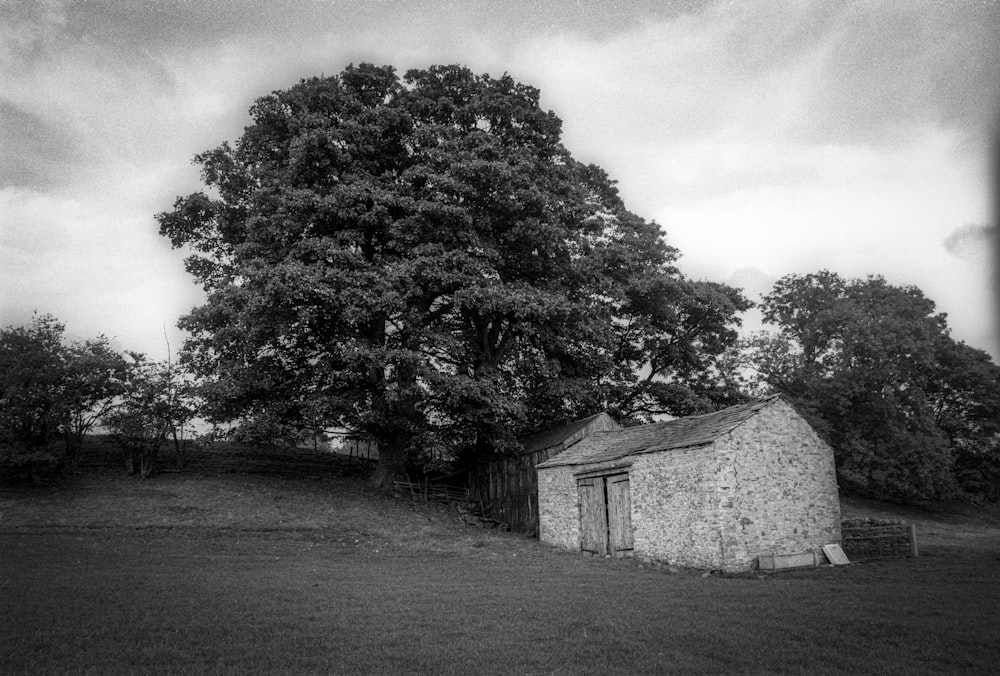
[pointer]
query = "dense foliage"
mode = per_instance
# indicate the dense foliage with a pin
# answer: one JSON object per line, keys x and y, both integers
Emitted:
{"x": 53, "y": 392}
{"x": 50, "y": 390}
{"x": 910, "y": 412}
{"x": 421, "y": 261}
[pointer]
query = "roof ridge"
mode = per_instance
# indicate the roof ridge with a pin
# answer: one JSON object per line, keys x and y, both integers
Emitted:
{"x": 677, "y": 433}
{"x": 554, "y": 435}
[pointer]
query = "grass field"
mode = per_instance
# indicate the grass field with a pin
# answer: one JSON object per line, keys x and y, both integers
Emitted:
{"x": 257, "y": 563}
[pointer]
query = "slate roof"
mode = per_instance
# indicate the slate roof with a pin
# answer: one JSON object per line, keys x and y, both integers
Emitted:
{"x": 555, "y": 436}
{"x": 662, "y": 436}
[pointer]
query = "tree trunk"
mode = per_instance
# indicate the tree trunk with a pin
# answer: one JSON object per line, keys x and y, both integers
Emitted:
{"x": 74, "y": 451}
{"x": 128, "y": 455}
{"x": 178, "y": 448}
{"x": 149, "y": 455}
{"x": 392, "y": 457}
{"x": 148, "y": 459}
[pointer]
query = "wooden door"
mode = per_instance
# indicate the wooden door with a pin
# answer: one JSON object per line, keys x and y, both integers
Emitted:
{"x": 605, "y": 515}
{"x": 593, "y": 516}
{"x": 619, "y": 515}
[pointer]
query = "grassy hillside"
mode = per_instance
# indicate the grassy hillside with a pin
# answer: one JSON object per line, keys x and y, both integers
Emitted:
{"x": 286, "y": 562}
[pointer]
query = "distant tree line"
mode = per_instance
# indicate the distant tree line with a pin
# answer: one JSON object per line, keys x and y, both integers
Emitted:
{"x": 419, "y": 261}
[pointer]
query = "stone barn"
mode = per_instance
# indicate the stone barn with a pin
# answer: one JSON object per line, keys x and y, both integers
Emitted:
{"x": 713, "y": 491}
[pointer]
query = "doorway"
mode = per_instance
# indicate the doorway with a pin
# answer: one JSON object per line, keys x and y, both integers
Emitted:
{"x": 605, "y": 515}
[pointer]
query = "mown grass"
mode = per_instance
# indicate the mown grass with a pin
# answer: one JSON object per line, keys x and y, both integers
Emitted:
{"x": 101, "y": 578}
{"x": 170, "y": 602}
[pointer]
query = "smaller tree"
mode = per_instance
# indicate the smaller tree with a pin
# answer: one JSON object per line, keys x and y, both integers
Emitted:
{"x": 156, "y": 403}
{"x": 51, "y": 388}
{"x": 30, "y": 372}
{"x": 181, "y": 395}
{"x": 93, "y": 379}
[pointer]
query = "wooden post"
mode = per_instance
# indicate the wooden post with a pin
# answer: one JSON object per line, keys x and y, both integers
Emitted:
{"x": 911, "y": 531}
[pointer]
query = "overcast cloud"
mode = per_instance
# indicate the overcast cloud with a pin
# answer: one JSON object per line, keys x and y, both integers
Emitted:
{"x": 771, "y": 137}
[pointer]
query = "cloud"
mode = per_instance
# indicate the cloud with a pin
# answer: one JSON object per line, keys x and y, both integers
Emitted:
{"x": 971, "y": 242}
{"x": 771, "y": 135}
{"x": 99, "y": 269}
{"x": 35, "y": 153}
{"x": 69, "y": 103}
{"x": 786, "y": 73}
{"x": 789, "y": 136}
{"x": 27, "y": 28}
{"x": 896, "y": 65}
{"x": 754, "y": 282}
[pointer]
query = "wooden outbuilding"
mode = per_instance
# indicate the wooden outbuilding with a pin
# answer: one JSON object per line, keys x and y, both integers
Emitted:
{"x": 714, "y": 491}
{"x": 506, "y": 489}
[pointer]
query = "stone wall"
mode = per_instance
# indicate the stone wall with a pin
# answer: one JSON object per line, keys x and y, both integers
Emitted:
{"x": 778, "y": 488}
{"x": 558, "y": 507}
{"x": 674, "y": 507}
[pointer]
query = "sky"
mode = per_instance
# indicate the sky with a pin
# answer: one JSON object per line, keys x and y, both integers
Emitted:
{"x": 766, "y": 138}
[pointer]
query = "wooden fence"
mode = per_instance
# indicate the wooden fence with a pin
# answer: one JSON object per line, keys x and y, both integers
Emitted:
{"x": 429, "y": 490}
{"x": 879, "y": 540}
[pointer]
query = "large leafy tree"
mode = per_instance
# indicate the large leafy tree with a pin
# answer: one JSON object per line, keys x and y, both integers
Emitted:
{"x": 911, "y": 412}
{"x": 419, "y": 259}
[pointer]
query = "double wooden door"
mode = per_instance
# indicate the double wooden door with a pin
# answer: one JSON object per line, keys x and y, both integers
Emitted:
{"x": 605, "y": 515}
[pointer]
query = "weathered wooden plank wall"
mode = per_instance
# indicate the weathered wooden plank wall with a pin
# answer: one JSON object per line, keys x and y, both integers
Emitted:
{"x": 507, "y": 489}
